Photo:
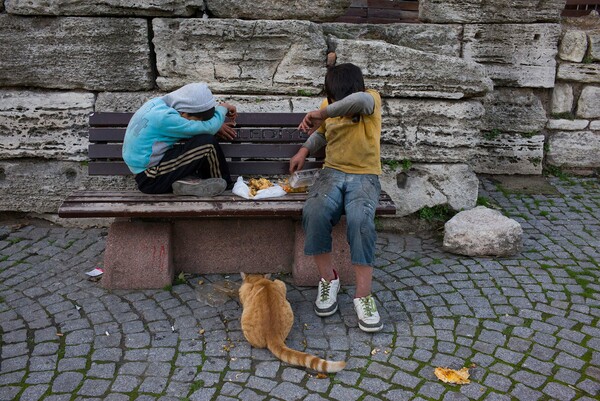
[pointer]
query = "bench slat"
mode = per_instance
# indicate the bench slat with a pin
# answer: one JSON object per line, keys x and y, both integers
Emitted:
{"x": 113, "y": 151}
{"x": 277, "y": 135}
{"x": 244, "y": 168}
{"x": 242, "y": 120}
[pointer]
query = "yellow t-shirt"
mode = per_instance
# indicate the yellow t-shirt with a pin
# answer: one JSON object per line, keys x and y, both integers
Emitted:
{"x": 354, "y": 147}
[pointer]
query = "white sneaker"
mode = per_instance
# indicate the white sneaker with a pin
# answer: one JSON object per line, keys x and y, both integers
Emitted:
{"x": 199, "y": 187}
{"x": 368, "y": 317}
{"x": 326, "y": 303}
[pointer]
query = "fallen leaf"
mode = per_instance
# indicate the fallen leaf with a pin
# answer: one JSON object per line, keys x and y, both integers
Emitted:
{"x": 322, "y": 376}
{"x": 375, "y": 350}
{"x": 201, "y": 331}
{"x": 59, "y": 334}
{"x": 452, "y": 376}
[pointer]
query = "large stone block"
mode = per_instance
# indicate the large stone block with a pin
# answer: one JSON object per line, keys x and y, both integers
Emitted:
{"x": 573, "y": 46}
{"x": 513, "y": 110}
{"x": 490, "y": 11}
{"x": 40, "y": 186}
{"x": 235, "y": 56}
{"x": 514, "y": 54}
{"x": 131, "y": 101}
{"x": 437, "y": 39}
{"x": 450, "y": 132}
{"x": 75, "y": 53}
{"x": 398, "y": 71}
{"x": 584, "y": 73}
{"x": 562, "y": 98}
{"x": 588, "y": 105}
{"x": 312, "y": 10}
{"x": 574, "y": 149}
{"x": 454, "y": 185}
{"x": 51, "y": 125}
{"x": 594, "y": 39}
{"x": 139, "y": 8}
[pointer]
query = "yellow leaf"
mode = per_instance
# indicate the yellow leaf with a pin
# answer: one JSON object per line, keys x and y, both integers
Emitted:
{"x": 448, "y": 375}
{"x": 321, "y": 375}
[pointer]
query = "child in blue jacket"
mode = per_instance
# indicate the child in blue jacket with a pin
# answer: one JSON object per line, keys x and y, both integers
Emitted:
{"x": 196, "y": 167}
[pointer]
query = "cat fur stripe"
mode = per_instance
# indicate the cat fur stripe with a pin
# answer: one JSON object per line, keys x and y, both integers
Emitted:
{"x": 267, "y": 319}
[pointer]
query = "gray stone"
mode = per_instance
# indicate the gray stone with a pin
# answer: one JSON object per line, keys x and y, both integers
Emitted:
{"x": 588, "y": 105}
{"x": 595, "y": 125}
{"x": 44, "y": 124}
{"x": 573, "y": 46}
{"x": 404, "y": 72}
{"x": 594, "y": 40}
{"x": 585, "y": 73}
{"x": 66, "y": 382}
{"x": 574, "y": 149}
{"x": 431, "y": 38}
{"x": 76, "y": 53}
{"x": 154, "y": 8}
{"x": 449, "y": 11}
{"x": 482, "y": 232}
{"x": 319, "y": 10}
{"x": 514, "y": 54}
{"x": 562, "y": 98}
{"x": 567, "y": 125}
{"x": 514, "y": 110}
{"x": 454, "y": 185}
{"x": 235, "y": 56}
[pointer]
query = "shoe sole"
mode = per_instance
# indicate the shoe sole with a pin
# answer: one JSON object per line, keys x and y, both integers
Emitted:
{"x": 371, "y": 329}
{"x": 204, "y": 188}
{"x": 326, "y": 313}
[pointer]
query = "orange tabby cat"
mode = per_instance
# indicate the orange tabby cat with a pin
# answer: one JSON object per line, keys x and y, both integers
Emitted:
{"x": 267, "y": 319}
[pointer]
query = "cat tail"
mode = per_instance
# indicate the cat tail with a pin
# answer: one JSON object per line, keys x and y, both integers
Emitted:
{"x": 293, "y": 357}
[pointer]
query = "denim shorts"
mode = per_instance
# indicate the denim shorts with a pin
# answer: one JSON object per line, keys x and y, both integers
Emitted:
{"x": 333, "y": 194}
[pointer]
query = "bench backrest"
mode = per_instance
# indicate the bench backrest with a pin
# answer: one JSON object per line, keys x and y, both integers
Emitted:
{"x": 265, "y": 142}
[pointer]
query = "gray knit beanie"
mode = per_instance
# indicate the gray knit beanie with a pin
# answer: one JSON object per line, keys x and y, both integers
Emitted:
{"x": 191, "y": 98}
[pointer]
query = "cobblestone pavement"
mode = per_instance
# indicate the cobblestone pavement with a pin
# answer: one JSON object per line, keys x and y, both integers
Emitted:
{"x": 527, "y": 327}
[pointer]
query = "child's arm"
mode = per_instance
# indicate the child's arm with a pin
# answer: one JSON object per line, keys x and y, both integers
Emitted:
{"x": 176, "y": 126}
{"x": 356, "y": 103}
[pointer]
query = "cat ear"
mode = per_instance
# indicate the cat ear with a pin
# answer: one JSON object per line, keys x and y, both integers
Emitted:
{"x": 268, "y": 275}
{"x": 243, "y": 275}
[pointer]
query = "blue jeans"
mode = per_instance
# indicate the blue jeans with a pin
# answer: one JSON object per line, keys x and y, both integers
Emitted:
{"x": 333, "y": 194}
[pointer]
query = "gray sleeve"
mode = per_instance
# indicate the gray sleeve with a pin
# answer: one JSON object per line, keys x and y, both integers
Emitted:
{"x": 315, "y": 142}
{"x": 356, "y": 103}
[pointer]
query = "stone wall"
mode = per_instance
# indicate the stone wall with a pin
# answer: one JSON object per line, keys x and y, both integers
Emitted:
{"x": 474, "y": 83}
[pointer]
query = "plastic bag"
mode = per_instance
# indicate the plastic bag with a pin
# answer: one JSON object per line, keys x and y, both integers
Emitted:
{"x": 240, "y": 188}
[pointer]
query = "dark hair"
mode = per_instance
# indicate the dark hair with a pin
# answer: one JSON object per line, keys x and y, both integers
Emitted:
{"x": 343, "y": 80}
{"x": 204, "y": 115}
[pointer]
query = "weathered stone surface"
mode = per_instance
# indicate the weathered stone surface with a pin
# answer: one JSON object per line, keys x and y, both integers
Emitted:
{"x": 594, "y": 39}
{"x": 567, "y": 125}
{"x": 562, "y": 98}
{"x": 39, "y": 186}
{"x": 312, "y": 10}
{"x": 574, "y": 149}
{"x": 75, "y": 53}
{"x": 51, "y": 125}
{"x": 455, "y": 185}
{"x": 449, "y": 132}
{"x": 595, "y": 125}
{"x": 438, "y": 39}
{"x": 585, "y": 73}
{"x": 398, "y": 71}
{"x": 140, "y": 8}
{"x": 482, "y": 232}
{"x": 235, "y": 56}
{"x": 588, "y": 105}
{"x": 573, "y": 46}
{"x": 521, "y": 55}
{"x": 469, "y": 11}
{"x": 513, "y": 110}
{"x": 131, "y": 101}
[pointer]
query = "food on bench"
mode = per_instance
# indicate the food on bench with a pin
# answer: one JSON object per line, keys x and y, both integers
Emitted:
{"x": 256, "y": 184}
{"x": 285, "y": 184}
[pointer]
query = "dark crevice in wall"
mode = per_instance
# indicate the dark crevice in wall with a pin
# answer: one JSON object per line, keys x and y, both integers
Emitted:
{"x": 153, "y": 65}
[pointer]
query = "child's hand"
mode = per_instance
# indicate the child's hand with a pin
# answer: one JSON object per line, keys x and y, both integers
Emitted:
{"x": 297, "y": 161}
{"x": 226, "y": 131}
{"x": 312, "y": 121}
{"x": 231, "y": 111}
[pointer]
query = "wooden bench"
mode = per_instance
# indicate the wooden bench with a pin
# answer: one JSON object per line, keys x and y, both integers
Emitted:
{"x": 154, "y": 236}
